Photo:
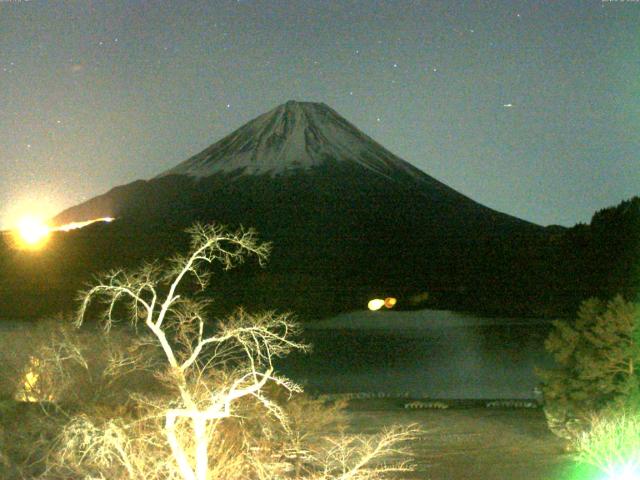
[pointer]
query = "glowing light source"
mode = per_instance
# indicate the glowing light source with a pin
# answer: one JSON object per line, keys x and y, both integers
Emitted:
{"x": 629, "y": 471}
{"x": 378, "y": 303}
{"x": 375, "y": 304}
{"x": 76, "y": 225}
{"x": 32, "y": 232}
{"x": 390, "y": 302}
{"x": 31, "y": 391}
{"x": 612, "y": 445}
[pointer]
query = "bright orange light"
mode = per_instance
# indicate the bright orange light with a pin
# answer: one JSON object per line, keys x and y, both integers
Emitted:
{"x": 375, "y": 304}
{"x": 32, "y": 232}
{"x": 390, "y": 302}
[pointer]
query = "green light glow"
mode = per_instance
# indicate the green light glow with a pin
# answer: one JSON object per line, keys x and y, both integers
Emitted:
{"x": 580, "y": 471}
{"x": 612, "y": 446}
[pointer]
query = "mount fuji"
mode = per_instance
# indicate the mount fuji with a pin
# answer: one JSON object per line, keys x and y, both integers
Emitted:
{"x": 348, "y": 219}
{"x": 295, "y": 145}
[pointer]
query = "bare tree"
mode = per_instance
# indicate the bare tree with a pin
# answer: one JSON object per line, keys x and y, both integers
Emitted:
{"x": 177, "y": 323}
{"x": 212, "y": 374}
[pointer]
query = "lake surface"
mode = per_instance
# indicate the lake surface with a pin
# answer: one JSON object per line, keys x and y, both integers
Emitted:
{"x": 434, "y": 354}
{"x": 428, "y": 353}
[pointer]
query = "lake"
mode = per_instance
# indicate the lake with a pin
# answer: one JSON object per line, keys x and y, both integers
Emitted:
{"x": 419, "y": 354}
{"x": 429, "y": 353}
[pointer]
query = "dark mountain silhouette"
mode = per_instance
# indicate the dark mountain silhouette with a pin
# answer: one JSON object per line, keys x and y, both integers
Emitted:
{"x": 348, "y": 220}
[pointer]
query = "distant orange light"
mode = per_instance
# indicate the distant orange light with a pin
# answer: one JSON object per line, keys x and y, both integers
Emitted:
{"x": 390, "y": 302}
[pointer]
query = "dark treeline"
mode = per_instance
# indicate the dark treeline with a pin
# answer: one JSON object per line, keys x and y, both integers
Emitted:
{"x": 553, "y": 274}
{"x": 602, "y": 259}
{"x": 544, "y": 272}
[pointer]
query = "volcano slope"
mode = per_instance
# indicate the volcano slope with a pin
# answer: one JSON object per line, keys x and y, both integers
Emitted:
{"x": 347, "y": 218}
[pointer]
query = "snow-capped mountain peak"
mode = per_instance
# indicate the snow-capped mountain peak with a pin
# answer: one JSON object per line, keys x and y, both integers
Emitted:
{"x": 292, "y": 136}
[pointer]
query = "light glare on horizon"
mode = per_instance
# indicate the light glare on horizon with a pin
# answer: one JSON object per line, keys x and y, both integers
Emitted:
{"x": 76, "y": 225}
{"x": 32, "y": 232}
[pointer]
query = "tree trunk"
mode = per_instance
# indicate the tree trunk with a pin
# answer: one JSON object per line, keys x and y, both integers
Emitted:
{"x": 202, "y": 444}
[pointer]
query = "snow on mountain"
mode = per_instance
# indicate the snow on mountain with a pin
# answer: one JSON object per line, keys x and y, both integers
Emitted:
{"x": 292, "y": 136}
{"x": 282, "y": 155}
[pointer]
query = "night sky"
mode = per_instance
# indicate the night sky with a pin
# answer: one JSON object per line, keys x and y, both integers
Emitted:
{"x": 531, "y": 108}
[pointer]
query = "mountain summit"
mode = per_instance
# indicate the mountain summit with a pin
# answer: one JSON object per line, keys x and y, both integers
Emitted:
{"x": 292, "y": 136}
{"x": 305, "y": 138}
{"x": 298, "y": 137}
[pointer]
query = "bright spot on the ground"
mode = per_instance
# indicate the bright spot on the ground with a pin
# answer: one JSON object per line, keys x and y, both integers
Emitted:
{"x": 378, "y": 303}
{"x": 375, "y": 304}
{"x": 32, "y": 232}
{"x": 30, "y": 388}
{"x": 629, "y": 471}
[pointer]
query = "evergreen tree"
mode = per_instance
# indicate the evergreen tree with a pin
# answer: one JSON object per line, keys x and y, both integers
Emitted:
{"x": 597, "y": 360}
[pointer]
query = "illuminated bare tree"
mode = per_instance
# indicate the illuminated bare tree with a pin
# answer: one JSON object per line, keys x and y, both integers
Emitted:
{"x": 207, "y": 375}
{"x": 249, "y": 343}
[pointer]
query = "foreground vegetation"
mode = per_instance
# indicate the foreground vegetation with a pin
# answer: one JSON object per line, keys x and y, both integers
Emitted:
{"x": 592, "y": 397}
{"x": 162, "y": 395}
{"x": 141, "y": 383}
